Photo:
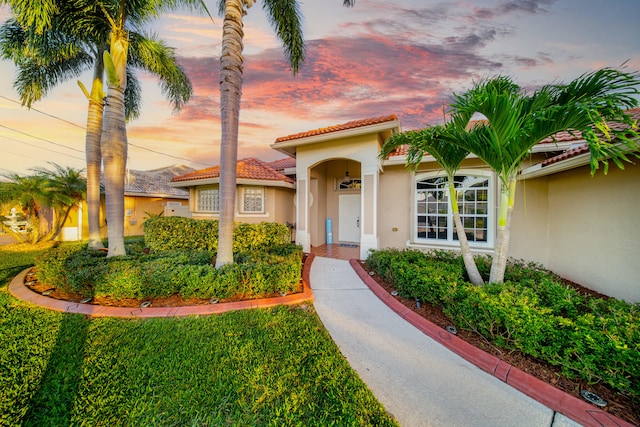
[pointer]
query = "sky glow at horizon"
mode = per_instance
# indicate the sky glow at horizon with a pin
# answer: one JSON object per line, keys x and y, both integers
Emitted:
{"x": 378, "y": 58}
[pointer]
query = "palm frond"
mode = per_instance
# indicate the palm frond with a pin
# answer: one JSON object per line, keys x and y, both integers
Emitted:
{"x": 155, "y": 56}
{"x": 285, "y": 17}
{"x": 132, "y": 96}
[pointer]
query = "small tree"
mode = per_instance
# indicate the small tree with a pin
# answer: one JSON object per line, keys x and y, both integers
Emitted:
{"x": 437, "y": 141}
{"x": 594, "y": 105}
{"x": 45, "y": 199}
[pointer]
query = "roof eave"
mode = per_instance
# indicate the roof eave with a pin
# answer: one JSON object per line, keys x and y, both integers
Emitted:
{"x": 555, "y": 146}
{"x": 289, "y": 147}
{"x": 156, "y": 195}
{"x": 538, "y": 170}
{"x": 579, "y": 160}
{"x": 240, "y": 181}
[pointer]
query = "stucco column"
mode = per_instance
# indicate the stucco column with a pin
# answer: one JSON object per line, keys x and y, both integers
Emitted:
{"x": 303, "y": 237}
{"x": 369, "y": 193}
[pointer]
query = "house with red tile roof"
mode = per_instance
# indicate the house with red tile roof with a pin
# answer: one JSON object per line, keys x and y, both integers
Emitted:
{"x": 265, "y": 191}
{"x": 145, "y": 193}
{"x": 340, "y": 192}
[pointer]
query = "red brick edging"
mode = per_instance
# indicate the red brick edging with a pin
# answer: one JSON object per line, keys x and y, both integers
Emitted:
{"x": 20, "y": 291}
{"x": 548, "y": 395}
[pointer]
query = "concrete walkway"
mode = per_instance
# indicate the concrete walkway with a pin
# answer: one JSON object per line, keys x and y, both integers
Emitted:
{"x": 418, "y": 380}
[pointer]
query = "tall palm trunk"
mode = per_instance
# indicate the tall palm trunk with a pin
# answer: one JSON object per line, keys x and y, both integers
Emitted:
{"x": 499, "y": 264}
{"x": 465, "y": 249}
{"x": 93, "y": 153}
{"x": 114, "y": 142}
{"x": 231, "y": 67}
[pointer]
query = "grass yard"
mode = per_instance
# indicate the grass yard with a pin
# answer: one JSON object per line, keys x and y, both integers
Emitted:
{"x": 257, "y": 367}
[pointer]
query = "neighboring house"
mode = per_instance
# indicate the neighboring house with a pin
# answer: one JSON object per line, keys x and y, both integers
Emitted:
{"x": 145, "y": 193}
{"x": 265, "y": 191}
{"x": 579, "y": 226}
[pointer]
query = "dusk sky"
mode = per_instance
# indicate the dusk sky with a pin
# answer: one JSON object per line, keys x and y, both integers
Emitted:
{"x": 377, "y": 58}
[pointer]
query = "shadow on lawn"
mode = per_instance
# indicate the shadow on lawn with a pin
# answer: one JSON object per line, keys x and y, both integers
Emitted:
{"x": 52, "y": 403}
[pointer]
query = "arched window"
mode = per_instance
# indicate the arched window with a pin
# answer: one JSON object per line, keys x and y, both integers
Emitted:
{"x": 433, "y": 212}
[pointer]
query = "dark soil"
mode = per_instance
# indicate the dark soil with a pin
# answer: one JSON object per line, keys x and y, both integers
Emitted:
{"x": 617, "y": 404}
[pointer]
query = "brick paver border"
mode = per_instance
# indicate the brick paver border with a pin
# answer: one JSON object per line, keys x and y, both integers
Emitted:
{"x": 22, "y": 292}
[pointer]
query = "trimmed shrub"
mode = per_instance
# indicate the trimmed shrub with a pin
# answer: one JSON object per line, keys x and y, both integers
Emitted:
{"x": 173, "y": 233}
{"x": 592, "y": 339}
{"x": 190, "y": 274}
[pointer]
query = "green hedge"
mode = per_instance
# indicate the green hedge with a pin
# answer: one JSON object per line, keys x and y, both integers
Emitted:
{"x": 172, "y": 233}
{"x": 255, "y": 274}
{"x": 592, "y": 339}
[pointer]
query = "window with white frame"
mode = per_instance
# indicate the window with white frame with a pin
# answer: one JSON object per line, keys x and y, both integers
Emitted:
{"x": 433, "y": 212}
{"x": 253, "y": 199}
{"x": 208, "y": 200}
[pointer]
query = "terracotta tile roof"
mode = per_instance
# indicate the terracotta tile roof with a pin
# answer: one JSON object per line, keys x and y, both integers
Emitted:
{"x": 249, "y": 168}
{"x": 584, "y": 148}
{"x": 282, "y": 164}
{"x": 564, "y": 136}
{"x": 345, "y": 126}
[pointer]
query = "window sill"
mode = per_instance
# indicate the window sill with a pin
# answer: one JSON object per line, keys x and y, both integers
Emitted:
{"x": 252, "y": 214}
{"x": 485, "y": 249}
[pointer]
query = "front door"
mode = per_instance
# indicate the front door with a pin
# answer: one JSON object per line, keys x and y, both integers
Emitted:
{"x": 349, "y": 218}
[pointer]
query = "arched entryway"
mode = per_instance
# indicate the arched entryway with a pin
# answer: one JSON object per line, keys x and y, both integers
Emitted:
{"x": 335, "y": 208}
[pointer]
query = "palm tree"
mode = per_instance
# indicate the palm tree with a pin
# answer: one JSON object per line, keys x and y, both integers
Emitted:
{"x": 122, "y": 17}
{"x": 48, "y": 48}
{"x": 46, "y": 198}
{"x": 516, "y": 122}
{"x": 66, "y": 188}
{"x": 284, "y": 16}
{"x": 69, "y": 42}
{"x": 437, "y": 141}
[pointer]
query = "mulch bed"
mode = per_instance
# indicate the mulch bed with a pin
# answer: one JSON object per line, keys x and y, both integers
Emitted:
{"x": 617, "y": 404}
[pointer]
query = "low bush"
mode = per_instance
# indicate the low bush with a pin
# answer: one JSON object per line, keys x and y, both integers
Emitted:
{"x": 187, "y": 273}
{"x": 596, "y": 340}
{"x": 173, "y": 233}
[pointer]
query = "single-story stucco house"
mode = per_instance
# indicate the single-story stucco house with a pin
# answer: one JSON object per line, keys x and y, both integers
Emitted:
{"x": 145, "y": 193}
{"x": 265, "y": 191}
{"x": 584, "y": 228}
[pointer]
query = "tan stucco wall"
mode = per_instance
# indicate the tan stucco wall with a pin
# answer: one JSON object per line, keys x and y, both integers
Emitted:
{"x": 580, "y": 227}
{"x": 135, "y": 214}
{"x": 280, "y": 202}
{"x": 594, "y": 229}
{"x": 394, "y": 209}
{"x": 529, "y": 223}
{"x": 279, "y": 206}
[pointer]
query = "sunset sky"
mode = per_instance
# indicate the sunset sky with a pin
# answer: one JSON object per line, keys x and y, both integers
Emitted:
{"x": 378, "y": 58}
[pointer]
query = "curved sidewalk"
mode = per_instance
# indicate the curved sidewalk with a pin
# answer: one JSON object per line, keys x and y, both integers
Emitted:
{"x": 425, "y": 376}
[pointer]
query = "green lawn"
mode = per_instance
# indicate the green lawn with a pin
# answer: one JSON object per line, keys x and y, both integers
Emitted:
{"x": 257, "y": 367}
